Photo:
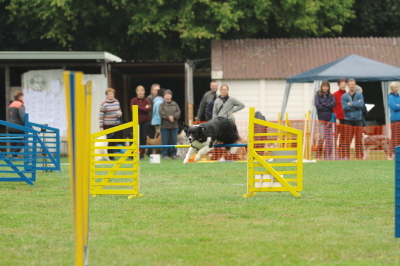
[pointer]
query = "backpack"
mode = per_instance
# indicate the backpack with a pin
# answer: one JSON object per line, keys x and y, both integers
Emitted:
{"x": 209, "y": 108}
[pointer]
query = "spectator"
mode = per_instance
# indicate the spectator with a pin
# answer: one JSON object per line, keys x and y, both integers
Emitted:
{"x": 16, "y": 115}
{"x": 207, "y": 97}
{"x": 352, "y": 103}
{"x": 169, "y": 113}
{"x": 364, "y": 109}
{"x": 208, "y": 111}
{"x": 339, "y": 113}
{"x": 153, "y": 94}
{"x": 110, "y": 115}
{"x": 144, "y": 107}
{"x": 394, "y": 105}
{"x": 156, "y": 119}
{"x": 324, "y": 101}
{"x": 225, "y": 105}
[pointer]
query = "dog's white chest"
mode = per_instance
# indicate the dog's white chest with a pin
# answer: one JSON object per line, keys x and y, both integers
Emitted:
{"x": 198, "y": 145}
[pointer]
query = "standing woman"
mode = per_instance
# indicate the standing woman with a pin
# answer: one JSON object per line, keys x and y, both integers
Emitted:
{"x": 325, "y": 102}
{"x": 110, "y": 113}
{"x": 226, "y": 105}
{"x": 394, "y": 105}
{"x": 16, "y": 114}
{"x": 169, "y": 113}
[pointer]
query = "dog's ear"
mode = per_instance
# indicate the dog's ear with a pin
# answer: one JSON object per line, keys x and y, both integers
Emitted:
{"x": 185, "y": 127}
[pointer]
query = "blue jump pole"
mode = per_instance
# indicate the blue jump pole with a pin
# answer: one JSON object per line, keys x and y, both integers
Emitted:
{"x": 188, "y": 146}
{"x": 397, "y": 193}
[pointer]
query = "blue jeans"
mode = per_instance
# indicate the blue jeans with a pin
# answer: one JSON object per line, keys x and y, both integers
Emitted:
{"x": 169, "y": 137}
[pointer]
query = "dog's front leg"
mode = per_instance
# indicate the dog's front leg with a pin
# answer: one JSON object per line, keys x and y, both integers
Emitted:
{"x": 202, "y": 151}
{"x": 189, "y": 154}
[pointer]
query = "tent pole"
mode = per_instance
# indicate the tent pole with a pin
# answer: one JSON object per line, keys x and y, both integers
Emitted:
{"x": 285, "y": 100}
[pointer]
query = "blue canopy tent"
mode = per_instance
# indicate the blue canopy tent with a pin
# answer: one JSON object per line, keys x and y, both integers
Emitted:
{"x": 353, "y": 66}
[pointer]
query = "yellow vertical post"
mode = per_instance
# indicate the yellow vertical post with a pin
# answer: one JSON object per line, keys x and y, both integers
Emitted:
{"x": 135, "y": 134}
{"x": 287, "y": 123}
{"x": 86, "y": 169}
{"x": 77, "y": 135}
{"x": 299, "y": 163}
{"x": 250, "y": 160}
{"x": 308, "y": 142}
{"x": 280, "y": 137}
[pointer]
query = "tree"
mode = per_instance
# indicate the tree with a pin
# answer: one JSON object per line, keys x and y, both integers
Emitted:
{"x": 160, "y": 29}
{"x": 374, "y": 18}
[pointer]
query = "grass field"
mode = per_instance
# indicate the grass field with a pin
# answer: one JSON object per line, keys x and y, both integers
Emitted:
{"x": 195, "y": 215}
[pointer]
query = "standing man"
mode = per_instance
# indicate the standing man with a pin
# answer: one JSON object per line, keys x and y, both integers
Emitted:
{"x": 208, "y": 96}
{"x": 339, "y": 113}
{"x": 16, "y": 113}
{"x": 352, "y": 103}
{"x": 144, "y": 107}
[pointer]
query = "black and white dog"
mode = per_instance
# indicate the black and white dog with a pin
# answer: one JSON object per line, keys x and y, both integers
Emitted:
{"x": 202, "y": 137}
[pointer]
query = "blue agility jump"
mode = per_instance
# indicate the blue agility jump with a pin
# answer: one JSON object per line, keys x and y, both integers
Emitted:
{"x": 188, "y": 146}
{"x": 40, "y": 150}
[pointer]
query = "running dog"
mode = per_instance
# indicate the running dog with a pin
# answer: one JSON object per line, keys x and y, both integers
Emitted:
{"x": 203, "y": 137}
{"x": 371, "y": 142}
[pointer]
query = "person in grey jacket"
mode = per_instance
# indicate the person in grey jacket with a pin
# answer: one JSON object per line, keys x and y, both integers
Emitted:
{"x": 169, "y": 113}
{"x": 352, "y": 104}
{"x": 207, "y": 97}
{"x": 226, "y": 105}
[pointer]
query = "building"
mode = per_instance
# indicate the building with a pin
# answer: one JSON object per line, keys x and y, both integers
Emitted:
{"x": 256, "y": 69}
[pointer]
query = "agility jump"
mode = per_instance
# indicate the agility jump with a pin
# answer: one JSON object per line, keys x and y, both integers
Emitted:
{"x": 269, "y": 169}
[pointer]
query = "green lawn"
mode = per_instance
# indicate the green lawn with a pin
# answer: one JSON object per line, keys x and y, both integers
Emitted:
{"x": 195, "y": 215}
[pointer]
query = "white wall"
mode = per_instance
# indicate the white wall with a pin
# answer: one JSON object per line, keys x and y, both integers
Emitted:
{"x": 267, "y": 97}
{"x": 48, "y": 105}
{"x": 98, "y": 97}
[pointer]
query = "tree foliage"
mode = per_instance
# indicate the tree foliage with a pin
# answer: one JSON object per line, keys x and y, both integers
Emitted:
{"x": 162, "y": 29}
{"x": 374, "y": 18}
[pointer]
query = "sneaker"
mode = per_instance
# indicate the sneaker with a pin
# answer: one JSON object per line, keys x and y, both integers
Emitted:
{"x": 165, "y": 157}
{"x": 175, "y": 157}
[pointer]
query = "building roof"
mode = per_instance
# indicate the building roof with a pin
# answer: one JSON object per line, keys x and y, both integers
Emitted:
{"x": 283, "y": 58}
{"x": 69, "y": 55}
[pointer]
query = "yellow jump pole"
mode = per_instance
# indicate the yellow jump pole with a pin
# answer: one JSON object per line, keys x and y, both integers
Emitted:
{"x": 78, "y": 151}
{"x": 250, "y": 160}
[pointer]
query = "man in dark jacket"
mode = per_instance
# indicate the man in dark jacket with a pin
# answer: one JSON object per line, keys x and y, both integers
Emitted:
{"x": 207, "y": 97}
{"x": 16, "y": 114}
{"x": 169, "y": 113}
